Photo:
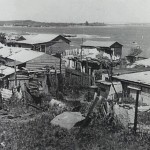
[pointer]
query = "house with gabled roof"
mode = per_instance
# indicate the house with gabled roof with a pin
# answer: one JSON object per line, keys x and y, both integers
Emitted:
{"x": 110, "y": 49}
{"x": 47, "y": 43}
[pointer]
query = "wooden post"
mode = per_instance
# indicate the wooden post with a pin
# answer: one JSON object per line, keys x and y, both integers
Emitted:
{"x": 56, "y": 79}
{"x": 15, "y": 73}
{"x": 60, "y": 62}
{"x": 86, "y": 69}
{"x": 110, "y": 79}
{"x": 81, "y": 53}
{"x": 89, "y": 76}
{"x": 55, "y": 72}
{"x": 136, "y": 112}
{"x": 101, "y": 69}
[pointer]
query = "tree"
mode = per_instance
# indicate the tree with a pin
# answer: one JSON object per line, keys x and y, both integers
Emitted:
{"x": 2, "y": 38}
{"x": 135, "y": 49}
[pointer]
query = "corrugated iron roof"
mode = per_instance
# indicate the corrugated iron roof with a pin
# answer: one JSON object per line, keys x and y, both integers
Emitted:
{"x": 38, "y": 38}
{"x": 7, "y": 51}
{"x": 21, "y": 55}
{"x": 138, "y": 77}
{"x": 25, "y": 55}
{"x": 6, "y": 70}
{"x": 98, "y": 43}
{"x": 43, "y": 61}
{"x": 13, "y": 63}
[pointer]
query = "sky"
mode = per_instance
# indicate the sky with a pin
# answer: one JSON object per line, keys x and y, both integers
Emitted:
{"x": 107, "y": 11}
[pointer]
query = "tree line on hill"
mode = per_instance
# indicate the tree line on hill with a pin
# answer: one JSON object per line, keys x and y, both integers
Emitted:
{"x": 30, "y": 23}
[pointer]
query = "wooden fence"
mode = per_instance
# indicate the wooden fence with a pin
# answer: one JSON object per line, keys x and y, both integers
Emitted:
{"x": 76, "y": 78}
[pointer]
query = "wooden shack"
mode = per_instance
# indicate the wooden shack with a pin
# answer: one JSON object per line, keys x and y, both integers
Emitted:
{"x": 132, "y": 81}
{"x": 47, "y": 43}
{"x": 112, "y": 49}
{"x": 5, "y": 74}
{"x": 32, "y": 60}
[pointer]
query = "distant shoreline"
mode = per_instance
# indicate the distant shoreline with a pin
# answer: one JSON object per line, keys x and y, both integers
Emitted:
{"x": 30, "y": 23}
{"x": 80, "y": 26}
{"x": 54, "y": 26}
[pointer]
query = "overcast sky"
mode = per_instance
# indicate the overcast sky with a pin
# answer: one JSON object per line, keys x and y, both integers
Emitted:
{"x": 108, "y": 11}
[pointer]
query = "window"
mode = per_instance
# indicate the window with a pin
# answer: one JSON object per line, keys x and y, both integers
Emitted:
{"x": 43, "y": 48}
{"x": 146, "y": 90}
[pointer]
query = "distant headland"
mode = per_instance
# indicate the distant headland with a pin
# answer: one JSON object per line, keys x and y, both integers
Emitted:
{"x": 31, "y": 23}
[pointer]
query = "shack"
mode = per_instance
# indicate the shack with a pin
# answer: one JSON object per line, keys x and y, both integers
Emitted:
{"x": 5, "y": 74}
{"x": 47, "y": 43}
{"x": 138, "y": 80}
{"x": 37, "y": 69}
{"x": 29, "y": 59}
{"x": 110, "y": 49}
